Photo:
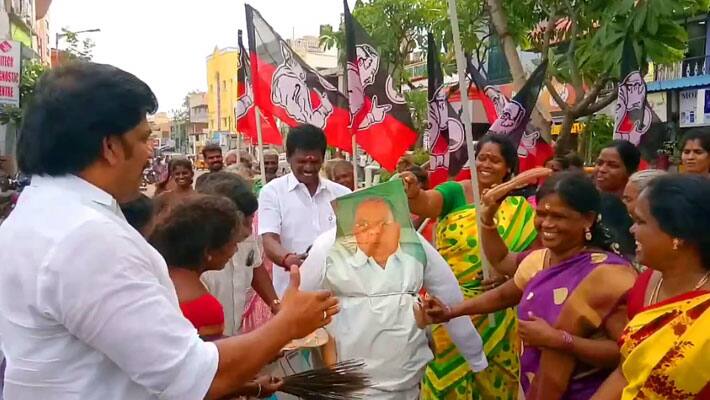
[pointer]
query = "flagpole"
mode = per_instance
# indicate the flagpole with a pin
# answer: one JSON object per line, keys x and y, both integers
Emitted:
{"x": 461, "y": 70}
{"x": 354, "y": 161}
{"x": 257, "y": 115}
{"x": 234, "y": 107}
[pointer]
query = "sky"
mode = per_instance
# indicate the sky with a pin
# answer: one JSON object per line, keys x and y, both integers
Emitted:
{"x": 166, "y": 42}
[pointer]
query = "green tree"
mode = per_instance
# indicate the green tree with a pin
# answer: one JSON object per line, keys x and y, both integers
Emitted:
{"x": 76, "y": 48}
{"x": 399, "y": 28}
{"x": 31, "y": 71}
{"x": 598, "y": 131}
{"x": 584, "y": 40}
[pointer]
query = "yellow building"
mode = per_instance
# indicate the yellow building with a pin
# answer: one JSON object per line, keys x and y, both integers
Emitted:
{"x": 222, "y": 89}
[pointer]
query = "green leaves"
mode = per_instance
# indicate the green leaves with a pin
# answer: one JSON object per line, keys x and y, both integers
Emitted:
{"x": 31, "y": 71}
{"x": 77, "y": 49}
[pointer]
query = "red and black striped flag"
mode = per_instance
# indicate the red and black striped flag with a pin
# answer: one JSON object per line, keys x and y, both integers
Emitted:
{"x": 445, "y": 138}
{"x": 245, "y": 110}
{"x": 379, "y": 114}
{"x": 514, "y": 122}
{"x": 287, "y": 88}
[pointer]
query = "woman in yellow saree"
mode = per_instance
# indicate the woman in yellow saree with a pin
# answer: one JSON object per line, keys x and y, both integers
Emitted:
{"x": 448, "y": 376}
{"x": 665, "y": 347}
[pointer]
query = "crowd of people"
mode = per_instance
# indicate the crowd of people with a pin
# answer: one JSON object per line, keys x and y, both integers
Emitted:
{"x": 560, "y": 285}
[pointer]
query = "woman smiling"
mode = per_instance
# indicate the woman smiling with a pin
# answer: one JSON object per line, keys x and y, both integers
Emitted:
{"x": 665, "y": 345}
{"x": 448, "y": 376}
{"x": 570, "y": 294}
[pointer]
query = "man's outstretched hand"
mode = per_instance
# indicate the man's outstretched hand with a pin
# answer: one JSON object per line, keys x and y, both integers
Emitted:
{"x": 306, "y": 311}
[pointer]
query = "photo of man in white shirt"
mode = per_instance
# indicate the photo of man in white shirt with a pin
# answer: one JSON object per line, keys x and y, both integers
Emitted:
{"x": 377, "y": 264}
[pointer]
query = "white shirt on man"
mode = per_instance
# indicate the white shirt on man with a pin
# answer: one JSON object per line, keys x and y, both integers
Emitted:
{"x": 287, "y": 208}
{"x": 87, "y": 309}
{"x": 231, "y": 284}
{"x": 376, "y": 320}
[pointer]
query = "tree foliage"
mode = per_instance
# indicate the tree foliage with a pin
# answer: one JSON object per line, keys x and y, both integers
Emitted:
{"x": 584, "y": 41}
{"x": 76, "y": 48}
{"x": 31, "y": 71}
{"x": 600, "y": 130}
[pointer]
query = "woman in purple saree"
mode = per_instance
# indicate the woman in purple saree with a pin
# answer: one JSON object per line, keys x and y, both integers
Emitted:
{"x": 570, "y": 294}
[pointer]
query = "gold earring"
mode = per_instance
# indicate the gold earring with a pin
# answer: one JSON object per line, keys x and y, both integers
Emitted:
{"x": 587, "y": 234}
{"x": 676, "y": 243}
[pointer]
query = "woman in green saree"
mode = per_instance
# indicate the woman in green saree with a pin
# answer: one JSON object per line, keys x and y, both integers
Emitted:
{"x": 448, "y": 376}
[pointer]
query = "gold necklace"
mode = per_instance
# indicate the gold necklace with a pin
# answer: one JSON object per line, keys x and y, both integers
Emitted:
{"x": 654, "y": 297}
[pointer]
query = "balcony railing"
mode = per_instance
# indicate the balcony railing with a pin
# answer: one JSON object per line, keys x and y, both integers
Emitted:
{"x": 690, "y": 67}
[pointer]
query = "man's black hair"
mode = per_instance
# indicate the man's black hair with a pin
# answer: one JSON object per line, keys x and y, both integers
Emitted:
{"x": 211, "y": 147}
{"x": 179, "y": 162}
{"x": 305, "y": 137}
{"x": 73, "y": 109}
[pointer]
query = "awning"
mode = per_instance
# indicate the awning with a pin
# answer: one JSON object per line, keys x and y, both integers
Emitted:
{"x": 680, "y": 83}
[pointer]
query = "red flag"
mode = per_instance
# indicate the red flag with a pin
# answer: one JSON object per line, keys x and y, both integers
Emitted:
{"x": 287, "y": 88}
{"x": 514, "y": 118}
{"x": 379, "y": 115}
{"x": 245, "y": 111}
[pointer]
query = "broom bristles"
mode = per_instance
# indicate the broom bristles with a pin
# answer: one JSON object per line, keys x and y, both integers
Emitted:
{"x": 339, "y": 382}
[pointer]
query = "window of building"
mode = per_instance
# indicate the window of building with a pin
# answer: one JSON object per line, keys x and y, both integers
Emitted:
{"x": 695, "y": 57}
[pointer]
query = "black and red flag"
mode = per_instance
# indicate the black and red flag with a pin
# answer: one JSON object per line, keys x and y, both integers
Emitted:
{"x": 445, "y": 138}
{"x": 245, "y": 110}
{"x": 495, "y": 98}
{"x": 514, "y": 122}
{"x": 379, "y": 114}
{"x": 633, "y": 114}
{"x": 287, "y": 88}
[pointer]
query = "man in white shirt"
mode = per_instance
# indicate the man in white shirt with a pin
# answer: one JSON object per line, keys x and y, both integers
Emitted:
{"x": 378, "y": 270}
{"x": 294, "y": 209}
{"x": 245, "y": 269}
{"x": 87, "y": 309}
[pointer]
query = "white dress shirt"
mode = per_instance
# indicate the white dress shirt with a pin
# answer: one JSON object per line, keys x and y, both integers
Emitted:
{"x": 87, "y": 309}
{"x": 287, "y": 208}
{"x": 376, "y": 321}
{"x": 231, "y": 284}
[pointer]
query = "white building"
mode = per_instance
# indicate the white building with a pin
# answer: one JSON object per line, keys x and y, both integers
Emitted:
{"x": 309, "y": 49}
